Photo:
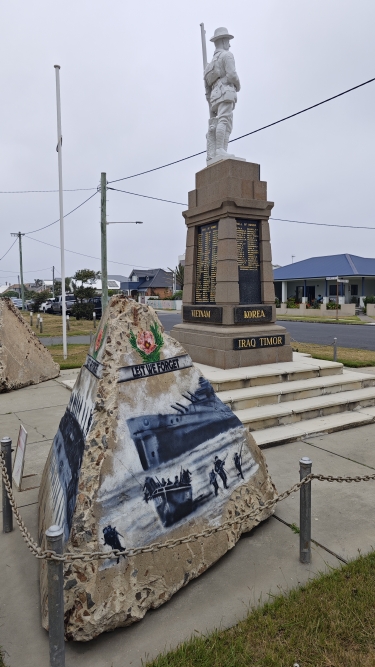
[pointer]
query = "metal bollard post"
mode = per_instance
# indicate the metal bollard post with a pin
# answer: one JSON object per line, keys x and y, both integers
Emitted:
{"x": 6, "y": 450}
{"x": 31, "y": 318}
{"x": 68, "y": 323}
{"x": 305, "y": 512}
{"x": 54, "y": 536}
{"x": 335, "y": 349}
{"x": 41, "y": 325}
{"x": 94, "y": 319}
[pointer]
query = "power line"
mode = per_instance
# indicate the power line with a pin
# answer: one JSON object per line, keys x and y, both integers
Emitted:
{"x": 148, "y": 196}
{"x": 299, "y": 222}
{"x": 276, "y": 122}
{"x": 23, "y": 192}
{"x": 8, "y": 249}
{"x": 89, "y": 256}
{"x": 322, "y": 224}
{"x": 65, "y": 216}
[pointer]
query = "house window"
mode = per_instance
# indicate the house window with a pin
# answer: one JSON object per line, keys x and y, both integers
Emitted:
{"x": 354, "y": 290}
{"x": 333, "y": 290}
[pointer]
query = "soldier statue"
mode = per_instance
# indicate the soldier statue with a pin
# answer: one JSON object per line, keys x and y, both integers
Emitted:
{"x": 222, "y": 84}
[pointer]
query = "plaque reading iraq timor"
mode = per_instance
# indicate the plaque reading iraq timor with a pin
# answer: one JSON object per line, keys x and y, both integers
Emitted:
{"x": 248, "y": 261}
{"x": 205, "y": 286}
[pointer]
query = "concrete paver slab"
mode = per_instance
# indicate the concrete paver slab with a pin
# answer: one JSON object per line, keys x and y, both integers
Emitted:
{"x": 44, "y": 395}
{"x": 342, "y": 514}
{"x": 358, "y": 445}
{"x": 264, "y": 562}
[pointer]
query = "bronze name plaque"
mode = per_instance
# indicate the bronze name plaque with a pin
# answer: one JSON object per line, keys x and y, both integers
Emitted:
{"x": 202, "y": 314}
{"x": 205, "y": 285}
{"x": 256, "y": 342}
{"x": 257, "y": 314}
{"x": 248, "y": 261}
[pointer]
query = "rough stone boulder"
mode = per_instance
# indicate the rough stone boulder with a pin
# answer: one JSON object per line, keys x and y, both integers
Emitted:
{"x": 23, "y": 358}
{"x": 145, "y": 453}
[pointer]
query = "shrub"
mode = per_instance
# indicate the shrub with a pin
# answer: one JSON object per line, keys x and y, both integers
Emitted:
{"x": 315, "y": 304}
{"x": 177, "y": 295}
{"x": 82, "y": 311}
{"x": 331, "y": 305}
{"x": 277, "y": 302}
{"x": 291, "y": 302}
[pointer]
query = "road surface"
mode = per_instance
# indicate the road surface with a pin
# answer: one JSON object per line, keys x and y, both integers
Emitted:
{"x": 357, "y": 336}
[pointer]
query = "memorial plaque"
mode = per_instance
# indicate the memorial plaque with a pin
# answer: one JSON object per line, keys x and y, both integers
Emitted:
{"x": 248, "y": 261}
{"x": 257, "y": 314}
{"x": 256, "y": 342}
{"x": 205, "y": 286}
{"x": 204, "y": 314}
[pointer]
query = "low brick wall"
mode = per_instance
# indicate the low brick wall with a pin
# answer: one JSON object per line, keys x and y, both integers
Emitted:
{"x": 346, "y": 309}
{"x": 370, "y": 309}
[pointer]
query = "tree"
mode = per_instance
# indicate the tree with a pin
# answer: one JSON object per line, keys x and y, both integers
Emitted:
{"x": 58, "y": 286}
{"x": 179, "y": 274}
{"x": 40, "y": 297}
{"x": 83, "y": 292}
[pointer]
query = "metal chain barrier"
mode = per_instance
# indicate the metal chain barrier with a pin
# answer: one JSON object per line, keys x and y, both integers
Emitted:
{"x": 88, "y": 556}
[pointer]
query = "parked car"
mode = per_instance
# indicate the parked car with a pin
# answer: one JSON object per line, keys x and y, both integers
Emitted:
{"x": 16, "y": 302}
{"x": 46, "y": 306}
{"x": 56, "y": 304}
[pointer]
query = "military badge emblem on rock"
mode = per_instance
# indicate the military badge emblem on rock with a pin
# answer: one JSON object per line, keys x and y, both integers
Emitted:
{"x": 145, "y": 453}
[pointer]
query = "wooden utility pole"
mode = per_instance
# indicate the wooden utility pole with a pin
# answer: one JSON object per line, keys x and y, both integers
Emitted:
{"x": 103, "y": 231}
{"x": 53, "y": 282}
{"x": 20, "y": 235}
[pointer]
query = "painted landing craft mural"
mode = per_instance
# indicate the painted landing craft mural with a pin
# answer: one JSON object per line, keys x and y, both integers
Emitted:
{"x": 179, "y": 453}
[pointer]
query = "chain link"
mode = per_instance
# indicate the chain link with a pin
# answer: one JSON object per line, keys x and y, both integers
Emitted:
{"x": 88, "y": 556}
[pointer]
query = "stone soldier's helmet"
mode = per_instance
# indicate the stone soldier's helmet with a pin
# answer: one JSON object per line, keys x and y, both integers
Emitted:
{"x": 220, "y": 33}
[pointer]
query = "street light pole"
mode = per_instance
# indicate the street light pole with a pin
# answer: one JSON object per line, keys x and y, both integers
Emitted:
{"x": 103, "y": 231}
{"x": 20, "y": 235}
{"x": 103, "y": 235}
{"x": 61, "y": 206}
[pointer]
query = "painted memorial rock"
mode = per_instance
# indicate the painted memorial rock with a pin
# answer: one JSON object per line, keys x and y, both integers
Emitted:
{"x": 24, "y": 360}
{"x": 146, "y": 452}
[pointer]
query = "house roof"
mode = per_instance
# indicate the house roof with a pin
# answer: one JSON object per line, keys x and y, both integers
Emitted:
{"x": 324, "y": 267}
{"x": 150, "y": 278}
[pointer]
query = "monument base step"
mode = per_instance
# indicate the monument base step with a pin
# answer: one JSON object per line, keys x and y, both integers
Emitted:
{"x": 283, "y": 402}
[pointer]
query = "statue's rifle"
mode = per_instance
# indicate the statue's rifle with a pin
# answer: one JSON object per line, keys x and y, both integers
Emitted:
{"x": 204, "y": 54}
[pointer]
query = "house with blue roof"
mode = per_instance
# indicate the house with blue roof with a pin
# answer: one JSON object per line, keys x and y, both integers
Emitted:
{"x": 317, "y": 278}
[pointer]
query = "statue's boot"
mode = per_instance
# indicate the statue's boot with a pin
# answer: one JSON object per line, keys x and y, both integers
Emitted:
{"x": 222, "y": 138}
{"x": 210, "y": 136}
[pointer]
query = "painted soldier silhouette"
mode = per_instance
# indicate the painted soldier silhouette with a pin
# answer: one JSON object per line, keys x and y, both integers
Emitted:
{"x": 219, "y": 468}
{"x": 213, "y": 481}
{"x": 238, "y": 463}
{"x": 111, "y": 539}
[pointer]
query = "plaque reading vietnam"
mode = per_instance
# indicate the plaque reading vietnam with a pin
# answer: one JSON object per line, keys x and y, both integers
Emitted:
{"x": 248, "y": 261}
{"x": 205, "y": 286}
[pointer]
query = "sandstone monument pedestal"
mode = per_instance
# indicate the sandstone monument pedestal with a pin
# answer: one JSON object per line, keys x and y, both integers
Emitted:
{"x": 229, "y": 299}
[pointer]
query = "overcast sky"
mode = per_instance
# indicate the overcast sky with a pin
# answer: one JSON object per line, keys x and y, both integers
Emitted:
{"x": 133, "y": 98}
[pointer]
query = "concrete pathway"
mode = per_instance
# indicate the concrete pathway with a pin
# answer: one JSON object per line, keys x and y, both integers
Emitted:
{"x": 263, "y": 563}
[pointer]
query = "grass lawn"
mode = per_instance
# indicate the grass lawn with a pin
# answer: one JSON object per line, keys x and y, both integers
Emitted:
{"x": 326, "y": 623}
{"x": 345, "y": 355}
{"x": 348, "y": 319}
{"x": 52, "y": 325}
{"x": 76, "y": 357}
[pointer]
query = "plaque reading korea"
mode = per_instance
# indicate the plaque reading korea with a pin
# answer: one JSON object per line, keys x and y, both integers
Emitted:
{"x": 248, "y": 261}
{"x": 205, "y": 286}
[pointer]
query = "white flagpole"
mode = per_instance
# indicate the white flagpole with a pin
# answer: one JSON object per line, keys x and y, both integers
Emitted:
{"x": 59, "y": 152}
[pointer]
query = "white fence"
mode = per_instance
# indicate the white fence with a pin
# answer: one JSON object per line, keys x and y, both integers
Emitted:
{"x": 162, "y": 304}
